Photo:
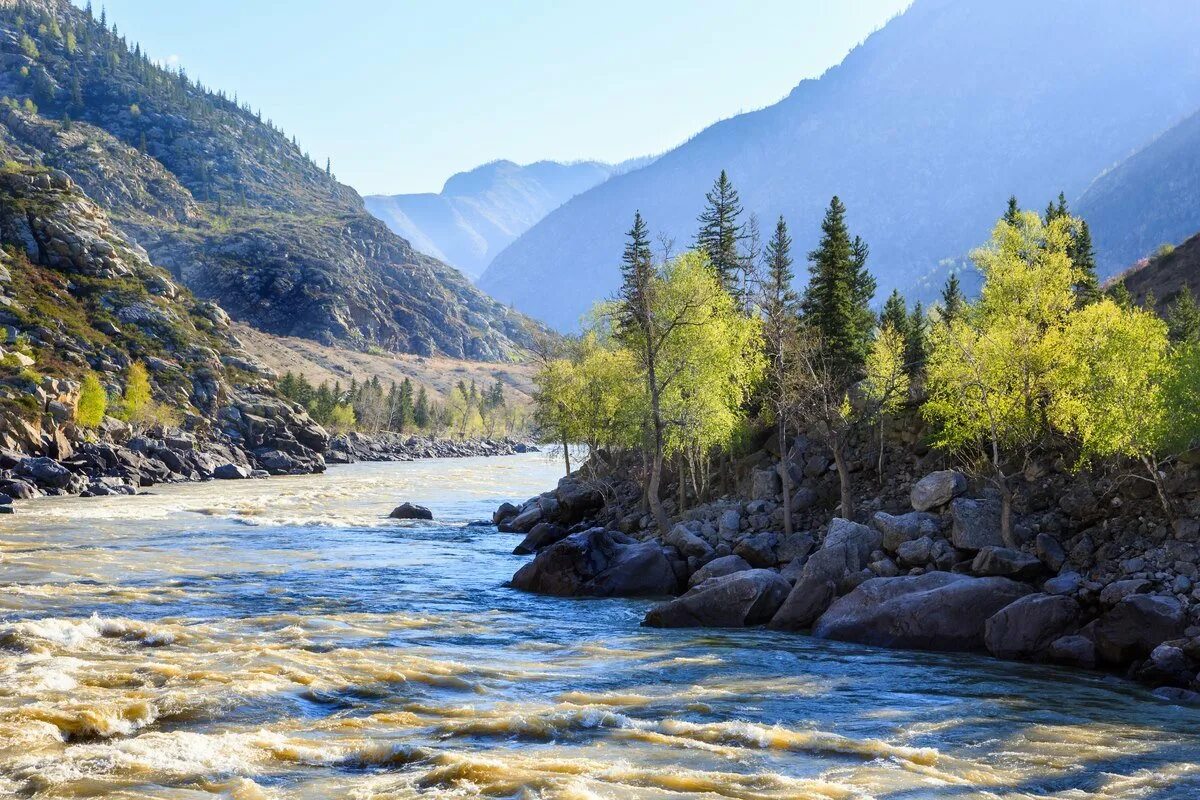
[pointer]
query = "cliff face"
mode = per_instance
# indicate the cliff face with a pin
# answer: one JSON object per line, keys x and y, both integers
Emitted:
{"x": 222, "y": 198}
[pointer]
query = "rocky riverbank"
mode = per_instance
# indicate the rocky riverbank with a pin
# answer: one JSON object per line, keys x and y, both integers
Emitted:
{"x": 348, "y": 448}
{"x": 1093, "y": 575}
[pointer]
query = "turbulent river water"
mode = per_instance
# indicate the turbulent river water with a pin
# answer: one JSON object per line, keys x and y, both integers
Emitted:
{"x": 283, "y": 639}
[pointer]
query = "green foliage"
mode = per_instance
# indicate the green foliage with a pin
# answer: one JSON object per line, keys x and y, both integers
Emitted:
{"x": 92, "y": 402}
{"x": 137, "y": 399}
{"x": 1183, "y": 317}
{"x": 341, "y": 417}
{"x": 1164, "y": 250}
{"x": 887, "y": 381}
{"x": 720, "y": 232}
{"x": 836, "y": 300}
{"x": 29, "y": 46}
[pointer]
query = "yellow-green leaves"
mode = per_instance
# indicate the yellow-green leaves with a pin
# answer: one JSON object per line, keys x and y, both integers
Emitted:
{"x": 887, "y": 382}
{"x": 137, "y": 400}
{"x": 92, "y": 402}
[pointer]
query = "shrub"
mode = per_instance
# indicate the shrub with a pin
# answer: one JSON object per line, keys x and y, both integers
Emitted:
{"x": 93, "y": 401}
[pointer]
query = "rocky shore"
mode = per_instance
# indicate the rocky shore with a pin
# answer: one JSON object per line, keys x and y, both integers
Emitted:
{"x": 1093, "y": 576}
{"x": 348, "y": 448}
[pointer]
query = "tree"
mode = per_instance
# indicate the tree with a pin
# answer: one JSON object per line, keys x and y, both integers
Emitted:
{"x": 720, "y": 233}
{"x": 916, "y": 345}
{"x": 1183, "y": 317}
{"x": 895, "y": 313}
{"x": 1119, "y": 293}
{"x": 952, "y": 299}
{"x": 137, "y": 398}
{"x": 1083, "y": 255}
{"x": 1013, "y": 211}
{"x": 991, "y": 370}
{"x": 834, "y": 304}
{"x": 780, "y": 309}
{"x": 89, "y": 409}
{"x": 421, "y": 412}
{"x": 885, "y": 388}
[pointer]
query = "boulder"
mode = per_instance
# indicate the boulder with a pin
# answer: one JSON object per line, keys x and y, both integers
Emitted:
{"x": 1118, "y": 590}
{"x": 896, "y": 530}
{"x": 524, "y": 521}
{"x": 1167, "y": 664}
{"x": 576, "y": 500}
{"x": 975, "y": 524}
{"x": 794, "y": 547}
{"x": 816, "y": 587}
{"x": 737, "y": 600}
{"x": 542, "y": 536}
{"x": 411, "y": 511}
{"x": 1135, "y": 626}
{"x": 600, "y": 563}
{"x": 1050, "y": 551}
{"x": 1006, "y": 563}
{"x": 1072, "y": 651}
{"x": 729, "y": 524}
{"x": 863, "y": 539}
{"x": 759, "y": 549}
{"x": 231, "y": 472}
{"x": 504, "y": 513}
{"x": 937, "y": 488}
{"x": 1024, "y": 628}
{"x": 916, "y": 553}
{"x": 764, "y": 484}
{"x": 688, "y": 543}
{"x": 45, "y": 472}
{"x": 934, "y": 611}
{"x": 1067, "y": 583}
{"x": 718, "y": 568}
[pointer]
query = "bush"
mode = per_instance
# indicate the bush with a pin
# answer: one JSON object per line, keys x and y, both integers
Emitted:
{"x": 93, "y": 401}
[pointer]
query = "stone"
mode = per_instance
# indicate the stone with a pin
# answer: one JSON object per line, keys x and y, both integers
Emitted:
{"x": 741, "y": 599}
{"x": 884, "y": 568}
{"x": 576, "y": 500}
{"x": 816, "y": 587}
{"x": 542, "y": 536}
{"x": 794, "y": 547}
{"x": 231, "y": 472}
{"x": 411, "y": 511}
{"x": 1025, "y": 627}
{"x": 1066, "y": 583}
{"x": 1050, "y": 551}
{"x": 45, "y": 472}
{"x": 505, "y": 512}
{"x": 916, "y": 553}
{"x": 1071, "y": 651}
{"x": 729, "y": 524}
{"x": 688, "y": 543}
{"x": 1118, "y": 590}
{"x": 1135, "y": 626}
{"x": 759, "y": 549}
{"x": 600, "y": 563}
{"x": 718, "y": 568}
{"x": 5, "y": 500}
{"x": 1006, "y": 563}
{"x": 896, "y": 530}
{"x": 765, "y": 484}
{"x": 1167, "y": 664}
{"x": 524, "y": 521}
{"x": 7, "y": 510}
{"x": 862, "y": 538}
{"x": 975, "y": 524}
{"x": 937, "y": 489}
{"x": 935, "y": 611}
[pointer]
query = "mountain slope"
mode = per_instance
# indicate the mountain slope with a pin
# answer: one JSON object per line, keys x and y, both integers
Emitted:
{"x": 1151, "y": 198}
{"x": 478, "y": 213}
{"x": 237, "y": 211}
{"x": 1164, "y": 275}
{"x": 923, "y": 130}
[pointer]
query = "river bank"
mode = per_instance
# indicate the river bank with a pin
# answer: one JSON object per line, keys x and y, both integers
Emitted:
{"x": 1093, "y": 577}
{"x": 283, "y": 639}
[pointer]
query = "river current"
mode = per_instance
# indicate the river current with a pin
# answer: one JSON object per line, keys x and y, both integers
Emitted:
{"x": 283, "y": 639}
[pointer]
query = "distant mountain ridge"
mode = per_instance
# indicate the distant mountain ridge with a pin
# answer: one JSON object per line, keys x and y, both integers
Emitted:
{"x": 924, "y": 130}
{"x": 480, "y": 212}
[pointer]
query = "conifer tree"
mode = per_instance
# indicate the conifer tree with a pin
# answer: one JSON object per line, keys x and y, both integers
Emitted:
{"x": 1183, "y": 318}
{"x": 1012, "y": 212}
{"x": 895, "y": 313}
{"x": 780, "y": 306}
{"x": 421, "y": 411}
{"x": 916, "y": 345}
{"x": 952, "y": 300}
{"x": 1083, "y": 255}
{"x": 835, "y": 301}
{"x": 720, "y": 232}
{"x": 637, "y": 267}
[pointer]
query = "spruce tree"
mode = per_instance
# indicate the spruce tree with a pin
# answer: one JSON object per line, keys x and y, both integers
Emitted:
{"x": 1012, "y": 211}
{"x": 832, "y": 301}
{"x": 421, "y": 411}
{"x": 780, "y": 299}
{"x": 952, "y": 300}
{"x": 720, "y": 232}
{"x": 916, "y": 343}
{"x": 1119, "y": 293}
{"x": 1083, "y": 256}
{"x": 637, "y": 269}
{"x": 895, "y": 313}
{"x": 1183, "y": 317}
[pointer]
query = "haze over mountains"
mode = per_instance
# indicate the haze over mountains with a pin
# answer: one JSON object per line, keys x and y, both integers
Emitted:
{"x": 924, "y": 131}
{"x": 480, "y": 212}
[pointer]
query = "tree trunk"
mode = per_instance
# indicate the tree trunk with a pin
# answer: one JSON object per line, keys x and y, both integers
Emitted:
{"x": 1152, "y": 467}
{"x": 785, "y": 479}
{"x": 566, "y": 455}
{"x": 1006, "y": 504}
{"x": 682, "y": 486}
{"x": 652, "y": 492}
{"x": 839, "y": 458}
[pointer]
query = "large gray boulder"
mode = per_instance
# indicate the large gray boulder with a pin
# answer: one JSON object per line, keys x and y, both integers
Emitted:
{"x": 719, "y": 567}
{"x": 937, "y": 489}
{"x": 601, "y": 563}
{"x": 542, "y": 536}
{"x": 577, "y": 499}
{"x": 689, "y": 543}
{"x": 898, "y": 529}
{"x": 411, "y": 511}
{"x": 1007, "y": 563}
{"x": 975, "y": 524}
{"x": 733, "y": 601}
{"x": 759, "y": 549}
{"x": 765, "y": 484}
{"x": 934, "y": 611}
{"x": 817, "y": 586}
{"x": 1024, "y": 628}
{"x": 864, "y": 540}
{"x": 1135, "y": 626}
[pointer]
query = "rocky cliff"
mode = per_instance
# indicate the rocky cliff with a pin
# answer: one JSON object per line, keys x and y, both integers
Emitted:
{"x": 223, "y": 199}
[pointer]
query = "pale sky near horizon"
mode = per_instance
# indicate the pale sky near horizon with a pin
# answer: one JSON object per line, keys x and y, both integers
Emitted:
{"x": 402, "y": 94}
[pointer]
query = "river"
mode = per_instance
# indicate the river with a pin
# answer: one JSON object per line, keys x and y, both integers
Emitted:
{"x": 283, "y": 639}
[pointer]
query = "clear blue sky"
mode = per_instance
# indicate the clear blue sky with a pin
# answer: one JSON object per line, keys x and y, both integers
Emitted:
{"x": 403, "y": 93}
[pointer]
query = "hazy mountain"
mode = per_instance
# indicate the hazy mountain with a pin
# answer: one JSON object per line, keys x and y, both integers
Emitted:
{"x": 480, "y": 212}
{"x": 1149, "y": 199}
{"x": 923, "y": 130}
{"x": 221, "y": 197}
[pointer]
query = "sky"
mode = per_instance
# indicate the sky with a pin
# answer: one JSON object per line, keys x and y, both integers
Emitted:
{"x": 401, "y": 94}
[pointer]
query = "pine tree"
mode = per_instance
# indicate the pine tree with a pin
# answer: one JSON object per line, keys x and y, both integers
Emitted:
{"x": 720, "y": 232}
{"x": 1087, "y": 290}
{"x": 953, "y": 301}
{"x": 421, "y": 411}
{"x": 916, "y": 344}
{"x": 1120, "y": 295}
{"x": 1012, "y": 211}
{"x": 1183, "y": 317}
{"x": 895, "y": 313}
{"x": 637, "y": 268}
{"x": 835, "y": 301}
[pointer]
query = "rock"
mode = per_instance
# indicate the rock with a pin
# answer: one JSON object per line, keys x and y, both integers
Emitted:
{"x": 934, "y": 611}
{"x": 916, "y": 553}
{"x": 896, "y": 530}
{"x": 688, "y": 543}
{"x": 816, "y": 587}
{"x": 736, "y": 600}
{"x": 937, "y": 489}
{"x": 231, "y": 472}
{"x": 863, "y": 539}
{"x": 1135, "y": 626}
{"x": 975, "y": 524}
{"x": 45, "y": 472}
{"x": 542, "y": 536}
{"x": 524, "y": 521}
{"x": 1007, "y": 563}
{"x": 794, "y": 547}
{"x": 1167, "y": 665}
{"x": 729, "y": 524}
{"x": 1028, "y": 625}
{"x": 5, "y": 500}
{"x": 765, "y": 484}
{"x": 576, "y": 500}
{"x": 792, "y": 570}
{"x": 717, "y": 568}
{"x": 1173, "y": 694}
{"x": 1072, "y": 651}
{"x": 884, "y": 568}
{"x": 411, "y": 511}
{"x": 504, "y": 513}
{"x": 1118, "y": 590}
{"x": 759, "y": 549}
{"x": 1067, "y": 583}
{"x": 18, "y": 489}
{"x": 1050, "y": 551}
{"x": 600, "y": 563}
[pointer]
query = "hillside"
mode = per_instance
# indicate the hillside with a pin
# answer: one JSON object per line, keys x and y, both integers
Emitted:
{"x": 479, "y": 213}
{"x": 924, "y": 131}
{"x": 1149, "y": 199}
{"x": 225, "y": 200}
{"x": 1162, "y": 276}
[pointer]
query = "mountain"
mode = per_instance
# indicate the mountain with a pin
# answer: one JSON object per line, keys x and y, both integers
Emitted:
{"x": 924, "y": 130}
{"x": 1164, "y": 274}
{"x": 221, "y": 197}
{"x": 1150, "y": 198}
{"x": 480, "y": 212}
